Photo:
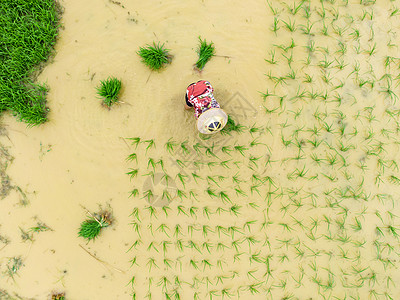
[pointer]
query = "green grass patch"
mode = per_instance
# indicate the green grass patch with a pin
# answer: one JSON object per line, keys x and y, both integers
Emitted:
{"x": 205, "y": 52}
{"x": 28, "y": 32}
{"x": 155, "y": 57}
{"x": 109, "y": 90}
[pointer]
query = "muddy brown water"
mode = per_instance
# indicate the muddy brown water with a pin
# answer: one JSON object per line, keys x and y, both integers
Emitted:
{"x": 77, "y": 159}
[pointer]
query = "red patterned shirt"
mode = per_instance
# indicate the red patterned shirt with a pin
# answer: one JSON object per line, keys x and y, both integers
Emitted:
{"x": 200, "y": 96}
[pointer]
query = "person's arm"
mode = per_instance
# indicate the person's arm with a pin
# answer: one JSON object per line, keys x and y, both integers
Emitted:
{"x": 188, "y": 105}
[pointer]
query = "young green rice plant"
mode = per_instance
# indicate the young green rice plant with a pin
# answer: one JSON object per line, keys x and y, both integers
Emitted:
{"x": 274, "y": 11}
{"x": 131, "y": 157}
{"x": 224, "y": 197}
{"x": 226, "y": 149}
{"x": 90, "y": 228}
{"x": 296, "y": 7}
{"x": 289, "y": 59}
{"x": 170, "y": 146}
{"x": 240, "y": 149}
{"x": 212, "y": 164}
{"x": 150, "y": 144}
{"x": 210, "y": 151}
{"x": 231, "y": 125}
{"x": 135, "y": 141}
{"x": 197, "y": 147}
{"x": 389, "y": 92}
{"x": 394, "y": 179}
{"x": 306, "y": 29}
{"x": 275, "y": 26}
{"x": 148, "y": 194}
{"x": 151, "y": 263}
{"x": 133, "y": 173}
{"x": 155, "y": 57}
{"x": 205, "y": 52}
{"x": 181, "y": 194}
{"x": 291, "y": 26}
{"x": 210, "y": 192}
{"x": 184, "y": 147}
{"x": 109, "y": 90}
{"x": 161, "y": 163}
{"x": 212, "y": 179}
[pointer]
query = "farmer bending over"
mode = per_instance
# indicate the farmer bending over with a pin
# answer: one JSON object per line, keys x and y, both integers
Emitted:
{"x": 210, "y": 117}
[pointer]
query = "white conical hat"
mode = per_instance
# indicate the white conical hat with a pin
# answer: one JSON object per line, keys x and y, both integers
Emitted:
{"x": 212, "y": 121}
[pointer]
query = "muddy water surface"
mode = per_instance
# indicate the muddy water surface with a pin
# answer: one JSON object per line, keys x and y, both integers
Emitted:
{"x": 305, "y": 206}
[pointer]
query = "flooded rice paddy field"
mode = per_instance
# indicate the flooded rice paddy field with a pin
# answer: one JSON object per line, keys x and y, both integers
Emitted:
{"x": 302, "y": 202}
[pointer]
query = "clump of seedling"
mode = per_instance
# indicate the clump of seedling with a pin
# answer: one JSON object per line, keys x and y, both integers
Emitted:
{"x": 58, "y": 296}
{"x": 205, "y": 52}
{"x": 91, "y": 227}
{"x": 109, "y": 90}
{"x": 155, "y": 57}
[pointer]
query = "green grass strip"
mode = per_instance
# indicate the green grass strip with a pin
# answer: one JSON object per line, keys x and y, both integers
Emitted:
{"x": 28, "y": 32}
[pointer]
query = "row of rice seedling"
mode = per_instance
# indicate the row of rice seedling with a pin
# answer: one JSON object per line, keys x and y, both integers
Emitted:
{"x": 301, "y": 204}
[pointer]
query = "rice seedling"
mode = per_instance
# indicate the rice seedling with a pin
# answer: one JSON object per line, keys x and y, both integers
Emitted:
{"x": 109, "y": 90}
{"x": 231, "y": 125}
{"x": 91, "y": 227}
{"x": 226, "y": 149}
{"x": 184, "y": 147}
{"x": 135, "y": 141}
{"x": 240, "y": 149}
{"x": 210, "y": 192}
{"x": 224, "y": 197}
{"x": 131, "y": 157}
{"x": 197, "y": 147}
{"x": 275, "y": 26}
{"x": 170, "y": 145}
{"x": 150, "y": 144}
{"x": 274, "y": 11}
{"x": 155, "y": 57}
{"x": 205, "y": 52}
{"x": 290, "y": 26}
{"x": 133, "y": 173}
{"x": 388, "y": 91}
{"x": 210, "y": 151}
{"x": 148, "y": 194}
